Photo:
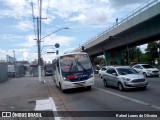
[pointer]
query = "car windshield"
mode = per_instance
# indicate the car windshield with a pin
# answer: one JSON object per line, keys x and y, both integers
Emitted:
{"x": 48, "y": 68}
{"x": 147, "y": 66}
{"x": 125, "y": 71}
{"x": 74, "y": 63}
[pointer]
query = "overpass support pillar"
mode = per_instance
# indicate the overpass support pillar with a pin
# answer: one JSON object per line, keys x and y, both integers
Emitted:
{"x": 92, "y": 59}
{"x": 113, "y": 57}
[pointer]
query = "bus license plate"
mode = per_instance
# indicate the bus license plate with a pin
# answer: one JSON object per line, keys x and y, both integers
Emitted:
{"x": 78, "y": 85}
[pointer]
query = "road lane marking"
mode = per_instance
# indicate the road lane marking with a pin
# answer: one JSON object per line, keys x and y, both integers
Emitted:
{"x": 129, "y": 98}
{"x": 46, "y": 104}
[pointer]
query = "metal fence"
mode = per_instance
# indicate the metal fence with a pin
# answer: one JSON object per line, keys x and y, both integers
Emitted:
{"x": 3, "y": 72}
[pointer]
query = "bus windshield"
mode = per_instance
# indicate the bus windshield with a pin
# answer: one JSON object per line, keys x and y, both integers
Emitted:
{"x": 75, "y": 63}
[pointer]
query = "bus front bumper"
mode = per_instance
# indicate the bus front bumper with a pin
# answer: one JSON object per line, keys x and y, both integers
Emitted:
{"x": 85, "y": 83}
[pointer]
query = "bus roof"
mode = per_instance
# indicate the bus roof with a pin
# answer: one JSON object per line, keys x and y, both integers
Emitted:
{"x": 71, "y": 53}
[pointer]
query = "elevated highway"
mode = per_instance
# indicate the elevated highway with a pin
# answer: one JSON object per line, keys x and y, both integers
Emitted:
{"x": 139, "y": 27}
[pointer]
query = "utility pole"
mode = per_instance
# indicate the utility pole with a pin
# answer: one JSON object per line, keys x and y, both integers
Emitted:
{"x": 39, "y": 40}
{"x": 14, "y": 62}
{"x": 39, "y": 51}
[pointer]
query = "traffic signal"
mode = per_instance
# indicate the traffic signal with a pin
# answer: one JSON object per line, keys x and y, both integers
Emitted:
{"x": 82, "y": 48}
{"x": 57, "y": 45}
{"x": 57, "y": 52}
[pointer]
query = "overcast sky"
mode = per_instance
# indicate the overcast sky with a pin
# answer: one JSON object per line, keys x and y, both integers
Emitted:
{"x": 84, "y": 18}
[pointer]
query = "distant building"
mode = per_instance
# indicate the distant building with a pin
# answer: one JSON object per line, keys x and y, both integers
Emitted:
{"x": 2, "y": 61}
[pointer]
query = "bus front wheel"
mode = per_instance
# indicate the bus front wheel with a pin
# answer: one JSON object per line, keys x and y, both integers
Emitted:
{"x": 89, "y": 87}
{"x": 61, "y": 88}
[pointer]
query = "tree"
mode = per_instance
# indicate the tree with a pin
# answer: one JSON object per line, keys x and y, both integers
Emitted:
{"x": 131, "y": 55}
{"x": 144, "y": 58}
{"x": 151, "y": 51}
{"x": 99, "y": 61}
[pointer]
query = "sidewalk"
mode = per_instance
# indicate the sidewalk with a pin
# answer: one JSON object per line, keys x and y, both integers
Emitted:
{"x": 21, "y": 94}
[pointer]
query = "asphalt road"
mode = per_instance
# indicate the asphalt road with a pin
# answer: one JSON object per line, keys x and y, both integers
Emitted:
{"x": 20, "y": 94}
{"x": 111, "y": 99}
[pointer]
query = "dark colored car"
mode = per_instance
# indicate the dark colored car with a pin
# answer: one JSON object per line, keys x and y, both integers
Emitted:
{"x": 95, "y": 70}
{"x": 48, "y": 70}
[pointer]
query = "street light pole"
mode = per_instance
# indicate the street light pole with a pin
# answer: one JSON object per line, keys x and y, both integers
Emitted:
{"x": 39, "y": 46}
{"x": 46, "y": 46}
{"x": 54, "y": 32}
{"x": 14, "y": 62}
{"x": 14, "y": 54}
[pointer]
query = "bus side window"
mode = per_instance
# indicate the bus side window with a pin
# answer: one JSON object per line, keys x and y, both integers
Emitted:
{"x": 54, "y": 67}
{"x": 58, "y": 66}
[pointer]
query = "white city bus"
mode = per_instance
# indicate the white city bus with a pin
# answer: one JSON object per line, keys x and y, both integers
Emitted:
{"x": 73, "y": 70}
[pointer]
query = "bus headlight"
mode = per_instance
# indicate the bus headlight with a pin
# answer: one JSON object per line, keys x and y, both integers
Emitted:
{"x": 66, "y": 79}
{"x": 92, "y": 75}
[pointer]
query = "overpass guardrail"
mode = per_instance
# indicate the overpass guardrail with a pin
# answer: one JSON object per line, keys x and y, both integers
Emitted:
{"x": 135, "y": 12}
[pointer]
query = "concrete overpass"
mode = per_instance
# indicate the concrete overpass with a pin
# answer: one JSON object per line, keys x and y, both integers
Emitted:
{"x": 139, "y": 27}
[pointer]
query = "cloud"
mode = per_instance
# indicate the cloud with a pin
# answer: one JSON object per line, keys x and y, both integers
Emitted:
{"x": 51, "y": 56}
{"x": 122, "y": 3}
{"x": 28, "y": 56}
{"x": 28, "y": 42}
{"x": 25, "y": 25}
{"x": 143, "y": 47}
{"x": 3, "y": 54}
{"x": 83, "y": 11}
{"x": 18, "y": 52}
{"x": 62, "y": 40}
{"x": 81, "y": 18}
{"x": 25, "y": 55}
{"x": 10, "y": 37}
{"x": 16, "y": 8}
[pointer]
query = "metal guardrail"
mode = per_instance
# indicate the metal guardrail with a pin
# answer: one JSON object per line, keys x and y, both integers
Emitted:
{"x": 135, "y": 12}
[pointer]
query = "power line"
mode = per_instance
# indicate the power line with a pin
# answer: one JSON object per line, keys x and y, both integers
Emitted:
{"x": 40, "y": 16}
{"x": 48, "y": 7}
{"x": 47, "y": 13}
{"x": 33, "y": 18}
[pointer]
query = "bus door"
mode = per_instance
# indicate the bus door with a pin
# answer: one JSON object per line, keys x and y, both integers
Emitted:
{"x": 57, "y": 73}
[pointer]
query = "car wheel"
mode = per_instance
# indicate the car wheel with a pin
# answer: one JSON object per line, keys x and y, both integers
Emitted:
{"x": 101, "y": 77}
{"x": 144, "y": 88}
{"x": 105, "y": 83}
{"x": 157, "y": 76}
{"x": 145, "y": 75}
{"x": 120, "y": 87}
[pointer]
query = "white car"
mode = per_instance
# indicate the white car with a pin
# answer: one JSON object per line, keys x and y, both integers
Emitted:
{"x": 146, "y": 70}
{"x": 102, "y": 71}
{"x": 124, "y": 77}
